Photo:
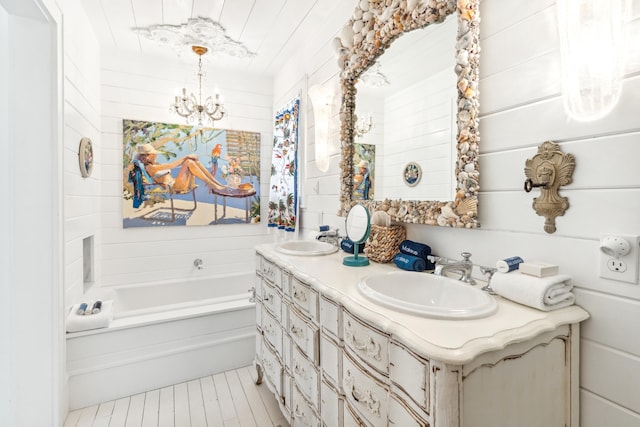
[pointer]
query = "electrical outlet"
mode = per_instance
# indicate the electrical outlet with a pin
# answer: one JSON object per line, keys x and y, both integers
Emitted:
{"x": 623, "y": 268}
{"x": 616, "y": 265}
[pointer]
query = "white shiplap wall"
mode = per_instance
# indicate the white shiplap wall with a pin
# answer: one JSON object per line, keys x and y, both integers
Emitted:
{"x": 82, "y": 216}
{"x": 521, "y": 108}
{"x": 132, "y": 88}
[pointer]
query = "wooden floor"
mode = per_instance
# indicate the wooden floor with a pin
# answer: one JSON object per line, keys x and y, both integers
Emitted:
{"x": 228, "y": 399}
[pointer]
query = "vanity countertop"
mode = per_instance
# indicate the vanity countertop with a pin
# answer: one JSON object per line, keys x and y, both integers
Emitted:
{"x": 450, "y": 341}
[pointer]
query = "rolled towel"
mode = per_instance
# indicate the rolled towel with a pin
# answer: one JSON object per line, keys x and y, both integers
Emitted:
{"x": 348, "y": 246}
{"x": 409, "y": 262}
{"x": 410, "y": 247}
{"x": 544, "y": 293}
{"x": 78, "y": 322}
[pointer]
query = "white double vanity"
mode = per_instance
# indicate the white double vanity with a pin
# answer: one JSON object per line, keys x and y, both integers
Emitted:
{"x": 335, "y": 358}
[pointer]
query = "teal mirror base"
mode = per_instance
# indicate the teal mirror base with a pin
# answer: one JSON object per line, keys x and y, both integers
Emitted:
{"x": 355, "y": 261}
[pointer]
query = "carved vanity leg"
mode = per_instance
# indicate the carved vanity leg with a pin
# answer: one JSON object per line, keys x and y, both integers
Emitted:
{"x": 260, "y": 373}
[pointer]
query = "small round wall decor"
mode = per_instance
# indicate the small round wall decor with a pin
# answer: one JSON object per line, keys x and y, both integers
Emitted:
{"x": 412, "y": 174}
{"x": 85, "y": 157}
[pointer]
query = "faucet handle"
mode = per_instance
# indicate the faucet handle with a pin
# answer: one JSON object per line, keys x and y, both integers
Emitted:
{"x": 489, "y": 271}
{"x": 466, "y": 256}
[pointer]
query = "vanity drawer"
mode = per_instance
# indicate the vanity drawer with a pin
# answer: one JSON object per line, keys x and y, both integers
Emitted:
{"x": 330, "y": 317}
{"x": 301, "y": 412}
{"x": 401, "y": 416}
{"x": 272, "y": 331}
{"x": 332, "y": 405}
{"x": 351, "y": 419}
{"x": 305, "y": 298}
{"x": 331, "y": 357}
{"x": 370, "y": 345}
{"x": 304, "y": 334}
{"x": 368, "y": 396}
{"x": 272, "y": 370}
{"x": 272, "y": 300}
{"x": 270, "y": 271}
{"x": 287, "y": 392}
{"x": 306, "y": 377}
{"x": 410, "y": 373}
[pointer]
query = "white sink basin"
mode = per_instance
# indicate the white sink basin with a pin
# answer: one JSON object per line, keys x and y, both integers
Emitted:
{"x": 427, "y": 295}
{"x": 306, "y": 248}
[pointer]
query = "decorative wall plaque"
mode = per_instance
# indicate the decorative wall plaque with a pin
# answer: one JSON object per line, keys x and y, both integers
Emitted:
{"x": 548, "y": 170}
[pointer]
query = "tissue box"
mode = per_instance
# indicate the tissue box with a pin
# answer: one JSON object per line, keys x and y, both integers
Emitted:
{"x": 538, "y": 268}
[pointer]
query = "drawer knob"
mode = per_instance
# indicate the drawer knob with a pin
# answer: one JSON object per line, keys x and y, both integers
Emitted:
{"x": 364, "y": 397}
{"x": 367, "y": 346}
{"x": 300, "y": 371}
{"x": 300, "y": 296}
{"x": 299, "y": 332}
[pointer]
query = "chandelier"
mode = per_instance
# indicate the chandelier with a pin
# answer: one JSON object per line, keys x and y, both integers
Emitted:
{"x": 363, "y": 126}
{"x": 192, "y": 107}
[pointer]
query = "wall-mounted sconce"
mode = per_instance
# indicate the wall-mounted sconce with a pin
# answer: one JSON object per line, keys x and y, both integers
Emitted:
{"x": 548, "y": 170}
{"x": 321, "y": 97}
{"x": 593, "y": 50}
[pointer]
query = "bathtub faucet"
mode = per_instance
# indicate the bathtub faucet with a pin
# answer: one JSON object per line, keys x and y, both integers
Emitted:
{"x": 198, "y": 263}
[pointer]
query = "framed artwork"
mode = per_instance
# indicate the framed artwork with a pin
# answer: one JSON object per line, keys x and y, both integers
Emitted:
{"x": 179, "y": 175}
{"x": 412, "y": 174}
{"x": 85, "y": 157}
{"x": 364, "y": 164}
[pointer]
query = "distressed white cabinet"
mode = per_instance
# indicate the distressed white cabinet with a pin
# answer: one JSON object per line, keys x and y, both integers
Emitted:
{"x": 334, "y": 359}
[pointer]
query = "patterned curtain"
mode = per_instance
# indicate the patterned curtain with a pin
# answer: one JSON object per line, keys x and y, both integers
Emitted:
{"x": 283, "y": 193}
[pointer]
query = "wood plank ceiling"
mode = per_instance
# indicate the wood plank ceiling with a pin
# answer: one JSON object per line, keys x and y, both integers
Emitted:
{"x": 273, "y": 29}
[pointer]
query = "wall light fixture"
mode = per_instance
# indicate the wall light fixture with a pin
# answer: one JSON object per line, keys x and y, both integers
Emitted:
{"x": 592, "y": 47}
{"x": 321, "y": 97}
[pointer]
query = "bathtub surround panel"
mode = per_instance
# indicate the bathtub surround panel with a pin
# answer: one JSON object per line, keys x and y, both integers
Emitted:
{"x": 521, "y": 108}
{"x": 149, "y": 351}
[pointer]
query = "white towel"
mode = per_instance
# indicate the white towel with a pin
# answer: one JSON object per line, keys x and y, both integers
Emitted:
{"x": 77, "y": 322}
{"x": 544, "y": 293}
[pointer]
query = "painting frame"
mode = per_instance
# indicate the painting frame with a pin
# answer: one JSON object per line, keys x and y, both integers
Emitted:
{"x": 85, "y": 157}
{"x": 182, "y": 175}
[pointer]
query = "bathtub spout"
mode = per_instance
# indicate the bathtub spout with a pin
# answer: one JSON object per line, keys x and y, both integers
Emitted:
{"x": 198, "y": 263}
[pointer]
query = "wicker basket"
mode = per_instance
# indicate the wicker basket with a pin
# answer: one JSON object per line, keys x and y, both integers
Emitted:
{"x": 383, "y": 242}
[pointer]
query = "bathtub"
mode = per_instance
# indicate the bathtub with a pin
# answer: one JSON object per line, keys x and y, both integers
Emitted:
{"x": 162, "y": 334}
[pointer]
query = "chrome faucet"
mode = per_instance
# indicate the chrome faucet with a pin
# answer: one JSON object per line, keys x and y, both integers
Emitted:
{"x": 464, "y": 267}
{"x": 329, "y": 236}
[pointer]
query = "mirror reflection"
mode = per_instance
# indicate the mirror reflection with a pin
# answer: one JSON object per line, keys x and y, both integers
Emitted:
{"x": 410, "y": 118}
{"x": 411, "y": 149}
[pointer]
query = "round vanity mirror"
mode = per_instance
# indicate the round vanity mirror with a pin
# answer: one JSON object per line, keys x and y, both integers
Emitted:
{"x": 357, "y": 226}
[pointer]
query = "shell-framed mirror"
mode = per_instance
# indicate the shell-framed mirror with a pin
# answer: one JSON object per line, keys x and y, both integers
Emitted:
{"x": 373, "y": 29}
